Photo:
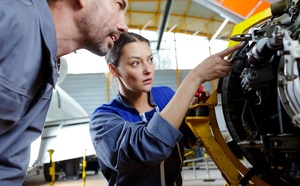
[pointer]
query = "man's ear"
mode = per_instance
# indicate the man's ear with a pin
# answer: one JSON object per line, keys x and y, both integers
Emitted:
{"x": 113, "y": 70}
{"x": 75, "y": 4}
{"x": 80, "y": 3}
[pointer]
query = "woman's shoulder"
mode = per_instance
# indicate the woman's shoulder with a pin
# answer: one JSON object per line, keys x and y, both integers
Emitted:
{"x": 162, "y": 92}
{"x": 107, "y": 107}
{"x": 162, "y": 88}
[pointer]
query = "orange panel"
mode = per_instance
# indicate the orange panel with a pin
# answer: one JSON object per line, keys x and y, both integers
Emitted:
{"x": 264, "y": 5}
{"x": 242, "y": 8}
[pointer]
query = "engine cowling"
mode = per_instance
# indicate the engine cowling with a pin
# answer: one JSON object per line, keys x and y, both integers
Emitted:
{"x": 261, "y": 96}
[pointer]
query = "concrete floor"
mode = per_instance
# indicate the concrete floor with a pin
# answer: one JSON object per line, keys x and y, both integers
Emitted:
{"x": 197, "y": 177}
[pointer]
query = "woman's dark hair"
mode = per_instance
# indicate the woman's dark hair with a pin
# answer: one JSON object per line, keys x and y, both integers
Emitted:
{"x": 113, "y": 55}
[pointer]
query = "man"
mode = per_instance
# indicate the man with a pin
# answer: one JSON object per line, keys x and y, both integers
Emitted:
{"x": 32, "y": 37}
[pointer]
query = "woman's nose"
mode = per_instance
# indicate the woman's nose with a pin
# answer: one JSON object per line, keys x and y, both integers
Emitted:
{"x": 147, "y": 68}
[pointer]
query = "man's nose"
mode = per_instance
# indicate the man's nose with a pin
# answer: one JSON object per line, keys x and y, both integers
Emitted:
{"x": 122, "y": 26}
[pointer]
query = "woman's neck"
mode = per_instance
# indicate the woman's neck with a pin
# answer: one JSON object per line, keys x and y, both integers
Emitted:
{"x": 140, "y": 101}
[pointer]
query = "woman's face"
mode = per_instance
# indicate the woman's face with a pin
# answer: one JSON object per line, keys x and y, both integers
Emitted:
{"x": 136, "y": 67}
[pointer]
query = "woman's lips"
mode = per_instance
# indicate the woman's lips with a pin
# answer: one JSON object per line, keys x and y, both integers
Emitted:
{"x": 147, "y": 81}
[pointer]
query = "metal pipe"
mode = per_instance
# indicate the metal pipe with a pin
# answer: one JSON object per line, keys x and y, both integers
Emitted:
{"x": 51, "y": 168}
{"x": 164, "y": 23}
{"x": 84, "y": 169}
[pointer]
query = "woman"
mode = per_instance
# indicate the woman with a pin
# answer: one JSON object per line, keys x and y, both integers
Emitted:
{"x": 136, "y": 135}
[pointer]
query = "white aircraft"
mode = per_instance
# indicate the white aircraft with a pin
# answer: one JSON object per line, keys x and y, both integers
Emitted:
{"x": 66, "y": 131}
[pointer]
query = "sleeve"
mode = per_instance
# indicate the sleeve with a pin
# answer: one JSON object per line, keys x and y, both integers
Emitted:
{"x": 119, "y": 143}
{"x": 20, "y": 59}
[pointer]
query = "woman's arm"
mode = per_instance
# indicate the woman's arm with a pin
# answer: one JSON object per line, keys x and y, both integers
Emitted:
{"x": 211, "y": 68}
{"x": 125, "y": 146}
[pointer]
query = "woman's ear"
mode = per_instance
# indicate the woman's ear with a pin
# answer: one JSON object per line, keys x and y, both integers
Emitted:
{"x": 113, "y": 70}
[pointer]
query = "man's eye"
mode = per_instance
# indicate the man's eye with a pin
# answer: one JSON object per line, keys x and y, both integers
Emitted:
{"x": 120, "y": 5}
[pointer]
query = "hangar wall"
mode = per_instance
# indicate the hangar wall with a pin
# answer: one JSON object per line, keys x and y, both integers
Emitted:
{"x": 89, "y": 90}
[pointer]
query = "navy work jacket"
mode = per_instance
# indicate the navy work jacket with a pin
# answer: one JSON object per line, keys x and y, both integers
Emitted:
{"x": 134, "y": 151}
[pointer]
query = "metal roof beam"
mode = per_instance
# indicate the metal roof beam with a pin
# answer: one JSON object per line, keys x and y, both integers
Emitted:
{"x": 218, "y": 31}
{"x": 220, "y": 10}
{"x": 162, "y": 27}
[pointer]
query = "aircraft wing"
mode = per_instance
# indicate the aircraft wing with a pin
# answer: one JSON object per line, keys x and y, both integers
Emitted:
{"x": 66, "y": 129}
{"x": 68, "y": 138}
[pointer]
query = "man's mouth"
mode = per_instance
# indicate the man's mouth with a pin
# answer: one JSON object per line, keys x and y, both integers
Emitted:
{"x": 114, "y": 37}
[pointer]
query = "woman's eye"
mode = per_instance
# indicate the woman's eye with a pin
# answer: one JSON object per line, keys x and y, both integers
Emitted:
{"x": 151, "y": 59}
{"x": 135, "y": 63}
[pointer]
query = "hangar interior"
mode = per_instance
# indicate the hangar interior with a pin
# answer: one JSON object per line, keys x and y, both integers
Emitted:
{"x": 259, "y": 99}
{"x": 210, "y": 19}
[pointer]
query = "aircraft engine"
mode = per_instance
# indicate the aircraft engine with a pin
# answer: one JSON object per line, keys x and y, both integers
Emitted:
{"x": 261, "y": 96}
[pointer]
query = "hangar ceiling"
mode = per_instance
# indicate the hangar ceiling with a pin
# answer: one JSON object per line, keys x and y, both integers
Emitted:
{"x": 208, "y": 18}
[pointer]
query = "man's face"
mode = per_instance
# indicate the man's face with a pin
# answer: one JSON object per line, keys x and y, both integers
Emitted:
{"x": 102, "y": 24}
